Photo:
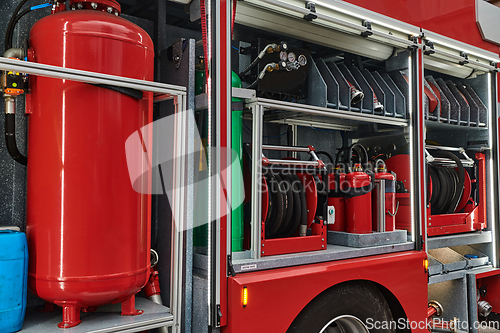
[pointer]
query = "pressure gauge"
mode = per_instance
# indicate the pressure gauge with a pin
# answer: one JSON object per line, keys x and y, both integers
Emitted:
{"x": 283, "y": 56}
{"x": 302, "y": 60}
{"x": 291, "y": 57}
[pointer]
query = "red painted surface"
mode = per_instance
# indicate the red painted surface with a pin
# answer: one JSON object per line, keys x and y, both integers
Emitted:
{"x": 88, "y": 230}
{"x": 455, "y": 19}
{"x": 287, "y": 291}
{"x": 492, "y": 284}
{"x": 311, "y": 196}
{"x": 358, "y": 207}
{"x": 314, "y": 242}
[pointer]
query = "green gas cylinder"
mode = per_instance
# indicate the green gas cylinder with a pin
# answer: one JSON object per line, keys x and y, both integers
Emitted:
{"x": 237, "y": 182}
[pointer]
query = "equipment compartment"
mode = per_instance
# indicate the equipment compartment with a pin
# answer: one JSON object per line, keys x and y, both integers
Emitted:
{"x": 347, "y": 100}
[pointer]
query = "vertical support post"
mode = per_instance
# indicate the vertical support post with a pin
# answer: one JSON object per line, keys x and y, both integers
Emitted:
{"x": 256, "y": 212}
{"x": 295, "y": 139}
{"x": 179, "y": 216}
{"x": 380, "y": 206}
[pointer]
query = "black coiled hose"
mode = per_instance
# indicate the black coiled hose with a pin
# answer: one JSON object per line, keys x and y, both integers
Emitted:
{"x": 444, "y": 184}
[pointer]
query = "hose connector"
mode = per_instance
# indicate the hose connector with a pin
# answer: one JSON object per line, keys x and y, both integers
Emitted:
{"x": 10, "y": 104}
{"x": 435, "y": 309}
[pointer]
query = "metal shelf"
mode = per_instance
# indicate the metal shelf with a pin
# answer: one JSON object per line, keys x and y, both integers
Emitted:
{"x": 459, "y": 239}
{"x": 435, "y": 126}
{"x": 302, "y": 114}
{"x": 332, "y": 252}
{"x": 106, "y": 319}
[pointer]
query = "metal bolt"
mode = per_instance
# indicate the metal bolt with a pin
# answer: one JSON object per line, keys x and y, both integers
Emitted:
{"x": 322, "y": 239}
{"x": 322, "y": 246}
{"x": 73, "y": 8}
{"x": 109, "y": 10}
{"x": 176, "y": 58}
{"x": 262, "y": 252}
{"x": 79, "y": 5}
{"x": 93, "y": 5}
{"x": 262, "y": 245}
{"x": 116, "y": 13}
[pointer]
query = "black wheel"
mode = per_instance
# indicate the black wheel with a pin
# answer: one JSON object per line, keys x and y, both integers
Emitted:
{"x": 350, "y": 307}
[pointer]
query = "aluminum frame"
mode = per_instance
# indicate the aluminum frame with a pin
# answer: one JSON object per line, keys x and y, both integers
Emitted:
{"x": 258, "y": 106}
{"x": 176, "y": 92}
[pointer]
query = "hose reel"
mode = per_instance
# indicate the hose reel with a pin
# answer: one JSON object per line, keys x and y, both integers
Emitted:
{"x": 446, "y": 179}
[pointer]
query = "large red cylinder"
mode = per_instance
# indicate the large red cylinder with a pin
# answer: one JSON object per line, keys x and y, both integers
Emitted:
{"x": 88, "y": 230}
{"x": 358, "y": 203}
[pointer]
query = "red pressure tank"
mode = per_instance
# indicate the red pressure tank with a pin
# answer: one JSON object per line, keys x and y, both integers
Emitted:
{"x": 390, "y": 198}
{"x": 88, "y": 230}
{"x": 358, "y": 202}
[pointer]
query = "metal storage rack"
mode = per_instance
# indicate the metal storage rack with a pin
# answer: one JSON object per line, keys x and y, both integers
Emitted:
{"x": 154, "y": 315}
{"x": 261, "y": 110}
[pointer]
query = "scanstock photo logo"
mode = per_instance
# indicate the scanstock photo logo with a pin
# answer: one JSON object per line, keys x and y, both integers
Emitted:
{"x": 169, "y": 157}
{"x": 455, "y": 325}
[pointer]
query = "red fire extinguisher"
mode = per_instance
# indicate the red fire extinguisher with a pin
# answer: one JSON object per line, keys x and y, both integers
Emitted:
{"x": 357, "y": 189}
{"x": 384, "y": 199}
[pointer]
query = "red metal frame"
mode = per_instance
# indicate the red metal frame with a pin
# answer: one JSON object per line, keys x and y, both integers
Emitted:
{"x": 492, "y": 282}
{"x": 276, "y": 297}
{"x": 473, "y": 219}
{"x": 314, "y": 242}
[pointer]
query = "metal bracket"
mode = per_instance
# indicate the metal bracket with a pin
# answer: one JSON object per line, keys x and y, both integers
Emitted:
{"x": 219, "y": 315}
{"x": 413, "y": 39}
{"x": 429, "y": 47}
{"x": 230, "y": 265}
{"x": 466, "y": 57}
{"x": 312, "y": 7}
{"x": 368, "y": 26}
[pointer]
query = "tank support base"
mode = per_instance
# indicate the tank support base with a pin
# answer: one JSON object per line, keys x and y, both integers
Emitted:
{"x": 71, "y": 314}
{"x": 128, "y": 307}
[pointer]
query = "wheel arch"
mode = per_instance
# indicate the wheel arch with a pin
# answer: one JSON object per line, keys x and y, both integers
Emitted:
{"x": 395, "y": 305}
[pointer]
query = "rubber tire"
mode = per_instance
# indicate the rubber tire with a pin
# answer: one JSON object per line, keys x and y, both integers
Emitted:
{"x": 361, "y": 299}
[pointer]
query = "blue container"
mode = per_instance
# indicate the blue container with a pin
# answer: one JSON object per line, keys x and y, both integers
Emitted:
{"x": 13, "y": 280}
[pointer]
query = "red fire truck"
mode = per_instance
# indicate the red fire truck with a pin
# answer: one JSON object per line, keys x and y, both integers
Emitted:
{"x": 298, "y": 166}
